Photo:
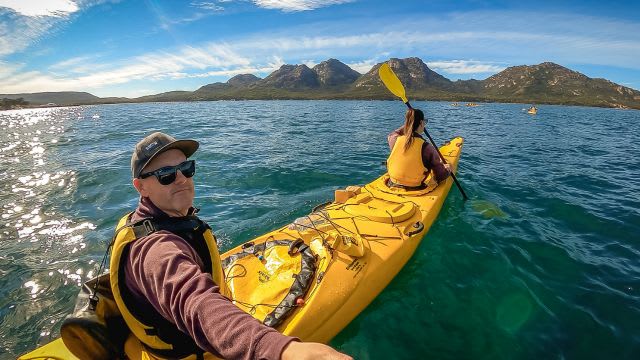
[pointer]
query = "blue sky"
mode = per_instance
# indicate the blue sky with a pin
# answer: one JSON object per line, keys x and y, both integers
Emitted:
{"x": 133, "y": 48}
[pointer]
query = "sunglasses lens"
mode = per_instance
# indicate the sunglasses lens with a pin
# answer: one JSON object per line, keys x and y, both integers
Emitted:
{"x": 168, "y": 174}
{"x": 188, "y": 168}
{"x": 166, "y": 179}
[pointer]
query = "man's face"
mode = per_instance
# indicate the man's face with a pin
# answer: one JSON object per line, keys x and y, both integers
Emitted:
{"x": 174, "y": 199}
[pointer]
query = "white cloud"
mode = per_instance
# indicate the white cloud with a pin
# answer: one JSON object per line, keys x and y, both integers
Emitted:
{"x": 207, "y": 5}
{"x": 298, "y": 5}
{"x": 263, "y": 53}
{"x": 276, "y": 62}
{"x": 55, "y": 8}
{"x": 7, "y": 70}
{"x": 229, "y": 73}
{"x": 465, "y": 67}
{"x": 20, "y": 32}
{"x": 204, "y": 10}
{"x": 310, "y": 63}
{"x": 153, "y": 66}
{"x": 78, "y": 64}
{"x": 29, "y": 21}
{"x": 133, "y": 93}
{"x": 364, "y": 66}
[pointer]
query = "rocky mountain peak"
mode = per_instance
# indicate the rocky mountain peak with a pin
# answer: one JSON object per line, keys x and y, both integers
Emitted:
{"x": 550, "y": 82}
{"x": 243, "y": 80}
{"x": 412, "y": 72}
{"x": 333, "y": 72}
{"x": 523, "y": 79}
{"x": 292, "y": 77}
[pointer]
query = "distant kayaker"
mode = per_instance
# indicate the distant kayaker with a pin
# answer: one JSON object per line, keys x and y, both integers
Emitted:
{"x": 166, "y": 274}
{"x": 412, "y": 158}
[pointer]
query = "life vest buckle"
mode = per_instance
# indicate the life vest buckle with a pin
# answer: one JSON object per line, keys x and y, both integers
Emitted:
{"x": 148, "y": 226}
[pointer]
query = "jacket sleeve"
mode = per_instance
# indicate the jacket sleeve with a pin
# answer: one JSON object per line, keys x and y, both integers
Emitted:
{"x": 431, "y": 160}
{"x": 167, "y": 271}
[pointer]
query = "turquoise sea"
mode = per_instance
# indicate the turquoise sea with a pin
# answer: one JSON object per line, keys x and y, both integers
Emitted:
{"x": 542, "y": 263}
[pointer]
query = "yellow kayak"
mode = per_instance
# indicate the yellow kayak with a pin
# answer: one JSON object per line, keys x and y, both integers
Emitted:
{"x": 359, "y": 243}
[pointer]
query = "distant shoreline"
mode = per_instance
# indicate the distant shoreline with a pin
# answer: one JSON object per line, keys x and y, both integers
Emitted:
{"x": 461, "y": 103}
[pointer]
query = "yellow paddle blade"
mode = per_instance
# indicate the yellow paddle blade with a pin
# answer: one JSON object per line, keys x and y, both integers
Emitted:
{"x": 392, "y": 82}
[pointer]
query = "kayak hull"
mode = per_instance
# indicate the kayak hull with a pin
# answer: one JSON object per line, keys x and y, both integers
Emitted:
{"x": 361, "y": 243}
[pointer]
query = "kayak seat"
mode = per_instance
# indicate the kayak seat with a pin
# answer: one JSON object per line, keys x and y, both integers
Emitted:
{"x": 382, "y": 184}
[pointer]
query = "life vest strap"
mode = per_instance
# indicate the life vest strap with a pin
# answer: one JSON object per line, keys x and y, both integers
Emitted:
{"x": 143, "y": 228}
{"x": 148, "y": 226}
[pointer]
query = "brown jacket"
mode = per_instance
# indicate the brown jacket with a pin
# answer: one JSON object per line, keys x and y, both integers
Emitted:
{"x": 165, "y": 271}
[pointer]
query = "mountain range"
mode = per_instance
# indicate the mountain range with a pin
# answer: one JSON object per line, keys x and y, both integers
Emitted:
{"x": 545, "y": 83}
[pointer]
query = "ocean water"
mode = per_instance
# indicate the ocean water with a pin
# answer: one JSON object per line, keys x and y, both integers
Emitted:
{"x": 542, "y": 262}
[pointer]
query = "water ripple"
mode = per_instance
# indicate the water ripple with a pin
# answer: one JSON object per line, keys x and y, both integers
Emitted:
{"x": 542, "y": 262}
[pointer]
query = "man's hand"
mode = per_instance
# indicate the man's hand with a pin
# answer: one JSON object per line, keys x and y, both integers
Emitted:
{"x": 448, "y": 167}
{"x": 306, "y": 350}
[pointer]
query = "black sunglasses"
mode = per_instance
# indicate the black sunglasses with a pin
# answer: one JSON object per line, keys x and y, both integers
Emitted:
{"x": 168, "y": 174}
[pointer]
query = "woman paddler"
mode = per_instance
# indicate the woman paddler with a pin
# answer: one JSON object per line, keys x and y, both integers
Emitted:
{"x": 412, "y": 158}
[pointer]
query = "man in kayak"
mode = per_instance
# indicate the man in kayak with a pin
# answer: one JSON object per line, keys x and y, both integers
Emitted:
{"x": 412, "y": 158}
{"x": 166, "y": 273}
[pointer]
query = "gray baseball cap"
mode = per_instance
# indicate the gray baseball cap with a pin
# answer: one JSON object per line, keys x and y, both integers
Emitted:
{"x": 157, "y": 143}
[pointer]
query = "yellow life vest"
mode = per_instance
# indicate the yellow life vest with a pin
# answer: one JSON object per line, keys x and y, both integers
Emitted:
{"x": 161, "y": 337}
{"x": 405, "y": 166}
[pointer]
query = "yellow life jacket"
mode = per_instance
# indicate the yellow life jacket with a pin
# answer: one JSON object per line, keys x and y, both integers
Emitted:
{"x": 158, "y": 335}
{"x": 405, "y": 166}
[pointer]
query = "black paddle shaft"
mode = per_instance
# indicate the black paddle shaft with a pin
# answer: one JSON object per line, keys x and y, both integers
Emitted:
{"x": 464, "y": 196}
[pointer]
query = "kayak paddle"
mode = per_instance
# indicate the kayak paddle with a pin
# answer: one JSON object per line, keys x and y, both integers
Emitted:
{"x": 391, "y": 81}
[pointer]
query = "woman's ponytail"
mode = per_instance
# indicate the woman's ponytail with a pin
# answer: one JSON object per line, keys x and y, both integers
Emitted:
{"x": 412, "y": 120}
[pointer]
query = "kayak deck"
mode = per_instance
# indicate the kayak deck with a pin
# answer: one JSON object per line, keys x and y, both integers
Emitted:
{"x": 389, "y": 222}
